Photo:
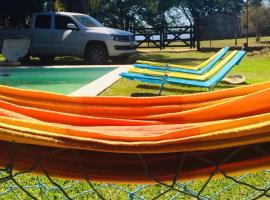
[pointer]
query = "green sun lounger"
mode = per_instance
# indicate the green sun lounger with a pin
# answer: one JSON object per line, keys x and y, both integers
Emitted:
{"x": 202, "y": 77}
{"x": 210, "y": 83}
{"x": 200, "y": 66}
{"x": 203, "y": 70}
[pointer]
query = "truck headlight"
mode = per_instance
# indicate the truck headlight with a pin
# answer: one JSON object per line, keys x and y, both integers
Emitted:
{"x": 116, "y": 37}
{"x": 124, "y": 38}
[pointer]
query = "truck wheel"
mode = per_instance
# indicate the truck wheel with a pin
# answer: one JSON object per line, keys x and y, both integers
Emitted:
{"x": 96, "y": 54}
{"x": 26, "y": 59}
{"x": 46, "y": 59}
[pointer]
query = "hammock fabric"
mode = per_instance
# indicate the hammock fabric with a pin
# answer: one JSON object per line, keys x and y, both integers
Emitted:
{"x": 120, "y": 139}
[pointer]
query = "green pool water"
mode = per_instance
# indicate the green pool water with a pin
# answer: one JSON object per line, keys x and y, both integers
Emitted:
{"x": 57, "y": 80}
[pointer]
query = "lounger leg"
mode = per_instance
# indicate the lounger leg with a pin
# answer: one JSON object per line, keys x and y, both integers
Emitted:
{"x": 164, "y": 78}
{"x": 210, "y": 89}
{"x": 160, "y": 89}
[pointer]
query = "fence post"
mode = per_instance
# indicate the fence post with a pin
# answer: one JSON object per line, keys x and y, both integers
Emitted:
{"x": 190, "y": 37}
{"x": 161, "y": 32}
{"x": 197, "y": 32}
{"x": 193, "y": 34}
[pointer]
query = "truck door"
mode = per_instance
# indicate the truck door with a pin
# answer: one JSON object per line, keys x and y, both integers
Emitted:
{"x": 41, "y": 35}
{"x": 67, "y": 41}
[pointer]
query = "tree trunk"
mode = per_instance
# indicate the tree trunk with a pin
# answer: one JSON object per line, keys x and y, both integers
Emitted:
{"x": 258, "y": 32}
{"x": 258, "y": 37}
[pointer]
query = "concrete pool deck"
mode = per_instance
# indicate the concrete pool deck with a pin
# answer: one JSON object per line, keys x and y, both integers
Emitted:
{"x": 93, "y": 88}
{"x": 98, "y": 86}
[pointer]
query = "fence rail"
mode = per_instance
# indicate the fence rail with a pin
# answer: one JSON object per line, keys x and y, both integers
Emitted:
{"x": 163, "y": 37}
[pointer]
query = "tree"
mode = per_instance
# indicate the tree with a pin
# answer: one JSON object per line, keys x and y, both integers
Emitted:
{"x": 199, "y": 8}
{"x": 122, "y": 13}
{"x": 77, "y": 5}
{"x": 15, "y": 13}
{"x": 259, "y": 16}
{"x": 196, "y": 9}
{"x": 118, "y": 13}
{"x": 256, "y": 2}
{"x": 155, "y": 16}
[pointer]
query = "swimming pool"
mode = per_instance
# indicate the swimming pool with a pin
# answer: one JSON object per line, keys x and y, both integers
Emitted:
{"x": 57, "y": 80}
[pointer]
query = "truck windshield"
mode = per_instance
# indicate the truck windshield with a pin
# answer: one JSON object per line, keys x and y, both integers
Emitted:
{"x": 87, "y": 21}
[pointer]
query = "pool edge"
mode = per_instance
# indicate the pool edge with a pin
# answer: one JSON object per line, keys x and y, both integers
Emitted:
{"x": 99, "y": 85}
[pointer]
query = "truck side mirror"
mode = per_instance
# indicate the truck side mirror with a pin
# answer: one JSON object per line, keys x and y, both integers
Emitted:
{"x": 71, "y": 26}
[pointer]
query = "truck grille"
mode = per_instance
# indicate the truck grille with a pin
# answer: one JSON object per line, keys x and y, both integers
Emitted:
{"x": 130, "y": 47}
{"x": 128, "y": 38}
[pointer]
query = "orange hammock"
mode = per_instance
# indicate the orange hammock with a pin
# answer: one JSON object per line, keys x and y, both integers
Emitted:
{"x": 123, "y": 139}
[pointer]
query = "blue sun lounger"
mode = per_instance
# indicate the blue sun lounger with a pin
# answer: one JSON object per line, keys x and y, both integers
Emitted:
{"x": 192, "y": 71}
{"x": 210, "y": 83}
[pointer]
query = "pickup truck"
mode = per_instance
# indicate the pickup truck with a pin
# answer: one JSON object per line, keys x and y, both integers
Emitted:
{"x": 73, "y": 34}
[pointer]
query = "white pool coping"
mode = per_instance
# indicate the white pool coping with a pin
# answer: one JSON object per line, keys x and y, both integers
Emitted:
{"x": 99, "y": 85}
{"x": 93, "y": 88}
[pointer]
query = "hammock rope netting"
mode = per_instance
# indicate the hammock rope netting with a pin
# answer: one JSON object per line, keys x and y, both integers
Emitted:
{"x": 24, "y": 185}
{"x": 54, "y": 146}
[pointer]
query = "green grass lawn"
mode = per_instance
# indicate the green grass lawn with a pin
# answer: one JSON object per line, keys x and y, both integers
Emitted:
{"x": 264, "y": 42}
{"x": 255, "y": 67}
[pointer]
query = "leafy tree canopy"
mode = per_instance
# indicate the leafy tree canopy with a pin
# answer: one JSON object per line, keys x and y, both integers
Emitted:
{"x": 17, "y": 12}
{"x": 123, "y": 13}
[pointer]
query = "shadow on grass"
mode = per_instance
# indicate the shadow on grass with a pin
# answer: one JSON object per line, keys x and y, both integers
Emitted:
{"x": 186, "y": 90}
{"x": 185, "y": 60}
{"x": 151, "y": 56}
{"x": 264, "y": 42}
{"x": 73, "y": 61}
{"x": 225, "y": 86}
{"x": 139, "y": 94}
{"x": 249, "y": 49}
{"x": 181, "y": 90}
{"x": 162, "y": 58}
{"x": 58, "y": 61}
{"x": 152, "y": 87}
{"x": 69, "y": 60}
{"x": 209, "y": 49}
